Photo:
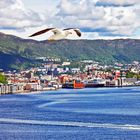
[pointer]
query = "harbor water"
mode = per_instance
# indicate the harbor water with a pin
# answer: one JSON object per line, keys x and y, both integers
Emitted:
{"x": 71, "y": 114}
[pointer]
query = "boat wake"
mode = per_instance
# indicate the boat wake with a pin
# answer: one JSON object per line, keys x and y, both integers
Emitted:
{"x": 52, "y": 103}
{"x": 70, "y": 124}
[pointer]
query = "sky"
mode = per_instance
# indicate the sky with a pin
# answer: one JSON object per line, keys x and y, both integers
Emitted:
{"x": 97, "y": 19}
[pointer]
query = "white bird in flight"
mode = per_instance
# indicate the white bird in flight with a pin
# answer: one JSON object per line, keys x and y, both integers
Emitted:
{"x": 58, "y": 33}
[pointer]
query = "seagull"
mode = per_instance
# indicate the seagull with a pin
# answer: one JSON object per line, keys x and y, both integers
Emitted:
{"x": 58, "y": 33}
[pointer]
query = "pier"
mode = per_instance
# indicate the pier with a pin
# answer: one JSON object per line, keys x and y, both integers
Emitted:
{"x": 11, "y": 89}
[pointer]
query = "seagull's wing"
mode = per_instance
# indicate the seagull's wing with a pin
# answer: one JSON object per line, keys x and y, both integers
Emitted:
{"x": 41, "y": 32}
{"x": 76, "y": 30}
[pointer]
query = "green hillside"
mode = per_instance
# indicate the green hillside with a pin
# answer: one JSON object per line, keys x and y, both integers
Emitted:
{"x": 17, "y": 52}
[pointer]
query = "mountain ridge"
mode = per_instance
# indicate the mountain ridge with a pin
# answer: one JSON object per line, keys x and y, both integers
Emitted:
{"x": 105, "y": 51}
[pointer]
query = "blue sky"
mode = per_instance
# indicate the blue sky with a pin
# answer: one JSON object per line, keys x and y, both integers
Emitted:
{"x": 97, "y": 19}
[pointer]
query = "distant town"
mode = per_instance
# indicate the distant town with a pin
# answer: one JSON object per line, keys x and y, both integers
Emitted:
{"x": 54, "y": 74}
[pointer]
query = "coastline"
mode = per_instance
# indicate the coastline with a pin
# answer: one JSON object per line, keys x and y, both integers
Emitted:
{"x": 4, "y": 90}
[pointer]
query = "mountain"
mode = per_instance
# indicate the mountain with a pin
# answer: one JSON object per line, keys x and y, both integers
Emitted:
{"x": 16, "y": 52}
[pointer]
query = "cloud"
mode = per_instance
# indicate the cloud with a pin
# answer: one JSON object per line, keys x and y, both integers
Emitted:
{"x": 107, "y": 21}
{"x": 13, "y": 15}
{"x": 77, "y": 13}
{"x": 95, "y": 18}
{"x": 124, "y": 3}
{"x": 122, "y": 20}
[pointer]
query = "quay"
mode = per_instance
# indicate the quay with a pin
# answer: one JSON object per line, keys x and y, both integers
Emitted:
{"x": 31, "y": 87}
{"x": 11, "y": 89}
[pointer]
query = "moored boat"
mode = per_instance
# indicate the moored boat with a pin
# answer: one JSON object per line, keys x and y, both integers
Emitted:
{"x": 75, "y": 84}
{"x": 97, "y": 82}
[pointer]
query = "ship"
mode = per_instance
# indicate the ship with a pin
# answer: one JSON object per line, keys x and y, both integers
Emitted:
{"x": 97, "y": 82}
{"x": 74, "y": 84}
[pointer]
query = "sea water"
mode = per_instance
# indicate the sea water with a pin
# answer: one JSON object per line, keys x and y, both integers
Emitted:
{"x": 72, "y": 114}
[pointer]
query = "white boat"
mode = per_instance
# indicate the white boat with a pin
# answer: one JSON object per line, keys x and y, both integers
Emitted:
{"x": 96, "y": 82}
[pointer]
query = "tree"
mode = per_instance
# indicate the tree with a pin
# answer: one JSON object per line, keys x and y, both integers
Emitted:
{"x": 132, "y": 75}
{"x": 3, "y": 79}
